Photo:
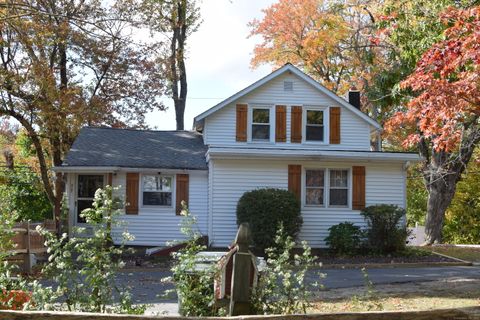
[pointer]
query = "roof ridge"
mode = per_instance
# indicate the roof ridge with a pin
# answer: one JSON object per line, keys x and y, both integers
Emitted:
{"x": 140, "y": 130}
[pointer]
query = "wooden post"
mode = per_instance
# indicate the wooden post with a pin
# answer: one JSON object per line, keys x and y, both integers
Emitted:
{"x": 27, "y": 261}
{"x": 242, "y": 267}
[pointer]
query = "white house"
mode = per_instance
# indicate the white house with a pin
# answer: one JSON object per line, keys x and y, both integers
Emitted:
{"x": 284, "y": 131}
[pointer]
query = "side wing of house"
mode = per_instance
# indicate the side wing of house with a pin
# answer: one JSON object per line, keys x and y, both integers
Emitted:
{"x": 153, "y": 172}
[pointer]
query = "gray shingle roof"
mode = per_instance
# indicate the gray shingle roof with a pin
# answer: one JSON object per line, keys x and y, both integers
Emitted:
{"x": 99, "y": 147}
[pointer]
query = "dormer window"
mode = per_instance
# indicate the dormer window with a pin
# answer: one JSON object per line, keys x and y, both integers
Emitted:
{"x": 314, "y": 126}
{"x": 260, "y": 123}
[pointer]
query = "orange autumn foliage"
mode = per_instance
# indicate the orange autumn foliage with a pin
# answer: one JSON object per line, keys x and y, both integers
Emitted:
{"x": 14, "y": 299}
{"x": 304, "y": 33}
{"x": 447, "y": 83}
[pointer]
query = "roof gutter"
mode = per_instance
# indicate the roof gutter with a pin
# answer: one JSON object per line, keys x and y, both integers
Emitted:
{"x": 275, "y": 154}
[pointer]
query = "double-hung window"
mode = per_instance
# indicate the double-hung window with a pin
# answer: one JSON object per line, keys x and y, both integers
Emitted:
{"x": 326, "y": 187}
{"x": 314, "y": 126}
{"x": 315, "y": 187}
{"x": 157, "y": 190}
{"x": 260, "y": 124}
{"x": 338, "y": 188}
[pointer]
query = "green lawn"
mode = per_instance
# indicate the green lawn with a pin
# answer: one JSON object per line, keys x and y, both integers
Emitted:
{"x": 468, "y": 254}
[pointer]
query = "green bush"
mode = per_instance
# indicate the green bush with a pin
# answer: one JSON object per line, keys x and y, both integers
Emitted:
{"x": 264, "y": 210}
{"x": 21, "y": 192}
{"x": 384, "y": 234}
{"x": 344, "y": 238}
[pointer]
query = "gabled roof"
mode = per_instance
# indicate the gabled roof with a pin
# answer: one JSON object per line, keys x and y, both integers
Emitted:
{"x": 107, "y": 147}
{"x": 287, "y": 67}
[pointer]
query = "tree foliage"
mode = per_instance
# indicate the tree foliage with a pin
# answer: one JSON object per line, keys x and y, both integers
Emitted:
{"x": 22, "y": 195}
{"x": 66, "y": 64}
{"x": 442, "y": 119}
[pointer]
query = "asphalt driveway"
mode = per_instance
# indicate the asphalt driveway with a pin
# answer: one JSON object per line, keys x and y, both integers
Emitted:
{"x": 146, "y": 285}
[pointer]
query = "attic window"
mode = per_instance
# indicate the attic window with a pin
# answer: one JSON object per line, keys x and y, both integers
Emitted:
{"x": 287, "y": 85}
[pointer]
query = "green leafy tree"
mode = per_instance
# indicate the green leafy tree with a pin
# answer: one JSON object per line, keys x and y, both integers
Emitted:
{"x": 22, "y": 193}
{"x": 462, "y": 219}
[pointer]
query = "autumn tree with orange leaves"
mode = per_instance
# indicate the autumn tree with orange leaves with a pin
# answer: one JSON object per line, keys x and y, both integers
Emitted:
{"x": 67, "y": 64}
{"x": 443, "y": 115}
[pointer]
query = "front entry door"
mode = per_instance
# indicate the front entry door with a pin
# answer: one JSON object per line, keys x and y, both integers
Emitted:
{"x": 87, "y": 184}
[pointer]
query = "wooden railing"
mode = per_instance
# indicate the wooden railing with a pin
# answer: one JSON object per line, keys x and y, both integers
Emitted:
{"x": 472, "y": 313}
{"x": 28, "y": 241}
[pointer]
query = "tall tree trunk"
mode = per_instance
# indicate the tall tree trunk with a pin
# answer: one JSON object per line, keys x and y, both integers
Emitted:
{"x": 177, "y": 63}
{"x": 440, "y": 195}
{"x": 442, "y": 171}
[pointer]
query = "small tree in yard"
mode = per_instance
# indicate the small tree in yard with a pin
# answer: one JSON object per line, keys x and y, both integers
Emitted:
{"x": 443, "y": 118}
{"x": 283, "y": 287}
{"x": 193, "y": 287}
{"x": 84, "y": 268}
{"x": 264, "y": 210}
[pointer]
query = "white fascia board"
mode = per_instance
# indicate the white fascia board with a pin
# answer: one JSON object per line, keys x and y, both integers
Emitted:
{"x": 302, "y": 75}
{"x": 244, "y": 153}
{"x": 119, "y": 169}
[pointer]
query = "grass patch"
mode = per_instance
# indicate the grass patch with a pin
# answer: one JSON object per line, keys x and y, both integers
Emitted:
{"x": 468, "y": 254}
{"x": 394, "y": 304}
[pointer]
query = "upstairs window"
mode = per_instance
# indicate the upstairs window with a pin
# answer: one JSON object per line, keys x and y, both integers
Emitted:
{"x": 157, "y": 190}
{"x": 315, "y": 187}
{"x": 260, "y": 124}
{"x": 314, "y": 130}
{"x": 338, "y": 188}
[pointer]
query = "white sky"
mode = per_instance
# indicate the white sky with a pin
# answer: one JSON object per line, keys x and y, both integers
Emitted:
{"x": 218, "y": 60}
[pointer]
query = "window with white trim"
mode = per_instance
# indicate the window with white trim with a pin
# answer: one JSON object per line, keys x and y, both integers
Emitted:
{"x": 314, "y": 187}
{"x": 326, "y": 187}
{"x": 157, "y": 190}
{"x": 314, "y": 126}
{"x": 260, "y": 123}
{"x": 338, "y": 192}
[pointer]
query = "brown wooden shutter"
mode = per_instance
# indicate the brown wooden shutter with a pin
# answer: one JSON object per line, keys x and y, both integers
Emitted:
{"x": 281, "y": 124}
{"x": 295, "y": 180}
{"x": 334, "y": 125}
{"x": 110, "y": 179}
{"x": 241, "y": 122}
{"x": 132, "y": 193}
{"x": 181, "y": 191}
{"x": 296, "y": 125}
{"x": 358, "y": 198}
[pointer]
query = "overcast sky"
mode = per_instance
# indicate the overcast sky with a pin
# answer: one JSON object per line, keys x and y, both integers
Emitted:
{"x": 218, "y": 62}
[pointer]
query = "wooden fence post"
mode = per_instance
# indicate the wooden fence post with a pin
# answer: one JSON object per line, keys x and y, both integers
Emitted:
{"x": 27, "y": 263}
{"x": 242, "y": 268}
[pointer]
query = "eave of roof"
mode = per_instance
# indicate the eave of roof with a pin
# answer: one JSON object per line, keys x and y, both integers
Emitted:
{"x": 276, "y": 73}
{"x": 309, "y": 154}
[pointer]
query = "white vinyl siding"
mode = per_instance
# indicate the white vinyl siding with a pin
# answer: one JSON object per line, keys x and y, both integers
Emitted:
{"x": 155, "y": 226}
{"x": 231, "y": 178}
{"x": 220, "y": 126}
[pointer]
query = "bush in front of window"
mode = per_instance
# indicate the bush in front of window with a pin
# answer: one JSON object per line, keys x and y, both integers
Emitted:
{"x": 265, "y": 210}
{"x": 385, "y": 233}
{"x": 344, "y": 238}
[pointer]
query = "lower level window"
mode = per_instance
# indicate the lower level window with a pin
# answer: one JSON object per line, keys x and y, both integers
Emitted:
{"x": 157, "y": 190}
{"x": 315, "y": 182}
{"x": 338, "y": 188}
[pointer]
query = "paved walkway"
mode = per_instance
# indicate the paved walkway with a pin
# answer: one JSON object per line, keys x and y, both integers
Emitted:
{"x": 147, "y": 285}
